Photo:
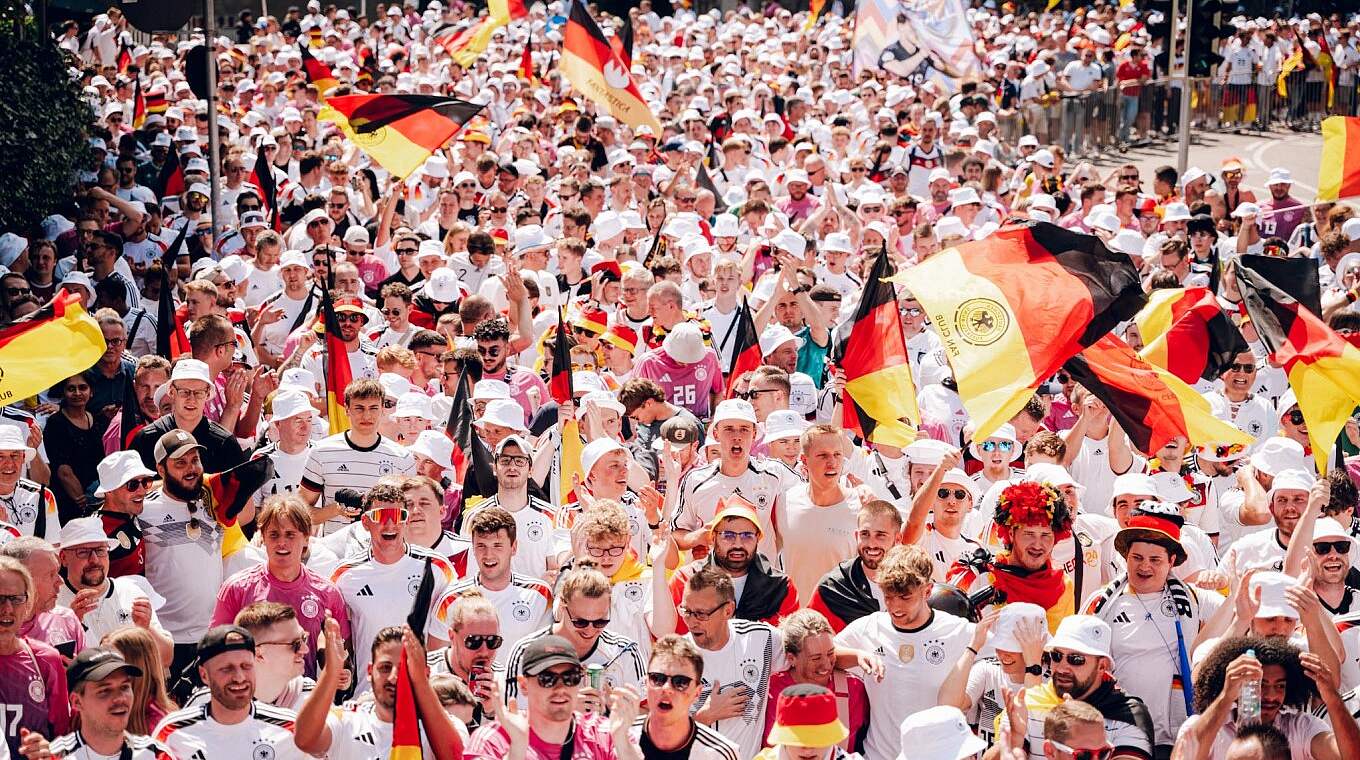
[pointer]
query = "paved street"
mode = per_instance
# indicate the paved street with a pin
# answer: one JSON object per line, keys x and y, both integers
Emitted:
{"x": 1299, "y": 153}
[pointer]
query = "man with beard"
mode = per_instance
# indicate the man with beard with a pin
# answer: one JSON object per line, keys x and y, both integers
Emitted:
{"x": 124, "y": 483}
{"x": 1287, "y": 499}
{"x": 1289, "y": 212}
{"x": 362, "y": 356}
{"x": 475, "y": 641}
{"x": 190, "y": 388}
{"x": 493, "y": 345}
{"x": 101, "y": 693}
{"x": 102, "y": 604}
{"x": 28, "y": 507}
{"x": 1146, "y": 608}
{"x": 1080, "y": 663}
{"x": 184, "y": 544}
{"x": 816, "y": 523}
{"x": 365, "y": 730}
{"x": 152, "y": 372}
{"x": 850, "y": 591}
{"x": 280, "y": 656}
{"x": 674, "y": 680}
{"x": 387, "y": 575}
{"x": 918, "y": 644}
{"x": 286, "y": 310}
{"x": 232, "y": 724}
{"x": 763, "y": 592}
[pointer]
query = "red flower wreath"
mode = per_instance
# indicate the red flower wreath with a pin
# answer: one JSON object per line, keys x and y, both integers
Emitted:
{"x": 1031, "y": 503}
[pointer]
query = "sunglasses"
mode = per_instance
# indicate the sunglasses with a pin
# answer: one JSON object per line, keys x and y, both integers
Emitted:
{"x": 138, "y": 484}
{"x": 406, "y": 251}
{"x": 548, "y": 679}
{"x": 1074, "y": 659}
{"x": 748, "y": 395}
{"x": 391, "y": 312}
{"x": 677, "y": 681}
{"x": 349, "y": 318}
{"x": 1099, "y": 753}
{"x": 958, "y": 493}
{"x": 1296, "y": 417}
{"x": 297, "y": 645}
{"x": 489, "y": 351}
{"x": 1063, "y": 377}
{"x": 1324, "y": 547}
{"x": 912, "y": 311}
{"x": 476, "y": 640}
{"x": 995, "y": 445}
{"x": 588, "y": 623}
{"x": 1241, "y": 368}
{"x": 386, "y": 514}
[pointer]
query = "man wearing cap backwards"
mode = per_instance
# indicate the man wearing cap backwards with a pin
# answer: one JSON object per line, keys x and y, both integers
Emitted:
{"x": 388, "y": 574}
{"x": 1155, "y": 617}
{"x": 28, "y": 506}
{"x": 232, "y": 724}
{"x": 101, "y": 603}
{"x": 182, "y": 531}
{"x": 535, "y": 519}
{"x": 100, "y": 687}
{"x": 702, "y": 488}
{"x": 1080, "y": 665}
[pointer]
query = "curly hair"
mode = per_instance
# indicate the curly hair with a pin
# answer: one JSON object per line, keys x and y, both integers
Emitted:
{"x": 1212, "y": 673}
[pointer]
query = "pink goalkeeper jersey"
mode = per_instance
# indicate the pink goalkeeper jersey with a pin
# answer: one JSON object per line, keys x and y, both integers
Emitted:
{"x": 687, "y": 385}
{"x": 33, "y": 692}
{"x": 310, "y": 595}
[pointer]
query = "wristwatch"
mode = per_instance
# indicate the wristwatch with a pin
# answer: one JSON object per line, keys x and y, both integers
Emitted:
{"x": 1034, "y": 670}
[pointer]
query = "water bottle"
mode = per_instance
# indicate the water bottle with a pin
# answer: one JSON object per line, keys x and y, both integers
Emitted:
{"x": 1249, "y": 699}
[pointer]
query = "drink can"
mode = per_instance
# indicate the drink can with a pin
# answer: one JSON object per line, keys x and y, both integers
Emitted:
{"x": 595, "y": 673}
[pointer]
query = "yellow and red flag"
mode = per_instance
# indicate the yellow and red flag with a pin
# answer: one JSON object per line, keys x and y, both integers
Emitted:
{"x": 399, "y": 131}
{"x": 880, "y": 396}
{"x": 317, "y": 72}
{"x": 1323, "y": 368}
{"x": 138, "y": 105}
{"x": 124, "y": 60}
{"x": 509, "y": 10}
{"x": 1291, "y": 64}
{"x": 815, "y": 8}
{"x": 561, "y": 389}
{"x": 1150, "y": 403}
{"x": 1184, "y": 330}
{"x": 1339, "y": 174}
{"x": 593, "y": 68}
{"x": 52, "y": 343}
{"x": 992, "y": 302}
{"x": 467, "y": 45}
{"x": 337, "y": 369}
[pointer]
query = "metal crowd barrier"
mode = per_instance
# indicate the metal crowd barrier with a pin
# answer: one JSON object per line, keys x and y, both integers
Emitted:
{"x": 1104, "y": 122}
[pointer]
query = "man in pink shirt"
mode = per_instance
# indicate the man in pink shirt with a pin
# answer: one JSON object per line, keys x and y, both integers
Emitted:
{"x": 284, "y": 525}
{"x": 493, "y": 345}
{"x": 686, "y": 369}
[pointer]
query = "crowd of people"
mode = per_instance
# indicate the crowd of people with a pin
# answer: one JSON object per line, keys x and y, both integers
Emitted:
{"x": 732, "y": 574}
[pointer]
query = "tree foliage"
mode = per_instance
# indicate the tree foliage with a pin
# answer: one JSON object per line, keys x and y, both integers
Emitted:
{"x": 44, "y": 123}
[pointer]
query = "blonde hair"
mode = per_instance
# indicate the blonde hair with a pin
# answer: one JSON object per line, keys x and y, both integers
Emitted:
{"x": 140, "y": 648}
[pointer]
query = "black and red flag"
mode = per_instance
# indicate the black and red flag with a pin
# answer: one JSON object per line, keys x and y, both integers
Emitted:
{"x": 317, "y": 72}
{"x": 745, "y": 346}
{"x": 1151, "y": 404}
{"x": 171, "y": 338}
{"x": 1323, "y": 368}
{"x": 138, "y": 105}
{"x": 559, "y": 387}
{"x": 471, "y": 460}
{"x": 232, "y": 489}
{"x": 880, "y": 396}
{"x": 170, "y": 179}
{"x": 401, "y": 131}
{"x": 1185, "y": 330}
{"x": 124, "y": 61}
{"x": 622, "y": 42}
{"x": 262, "y": 177}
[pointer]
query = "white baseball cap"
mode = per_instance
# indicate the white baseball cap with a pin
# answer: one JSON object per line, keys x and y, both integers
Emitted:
{"x": 734, "y": 409}
{"x": 294, "y": 259}
{"x": 596, "y": 450}
{"x": 1176, "y": 212}
{"x": 191, "y": 369}
{"x": 85, "y": 531}
{"x": 116, "y": 469}
{"x": 1134, "y": 484}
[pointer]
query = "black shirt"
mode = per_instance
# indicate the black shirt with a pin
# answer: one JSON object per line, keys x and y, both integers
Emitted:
{"x": 650, "y": 752}
{"x": 220, "y": 453}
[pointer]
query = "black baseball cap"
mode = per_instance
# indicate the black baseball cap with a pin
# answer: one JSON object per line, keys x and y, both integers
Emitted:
{"x": 96, "y": 664}
{"x": 223, "y": 639}
{"x": 681, "y": 430}
{"x": 546, "y": 652}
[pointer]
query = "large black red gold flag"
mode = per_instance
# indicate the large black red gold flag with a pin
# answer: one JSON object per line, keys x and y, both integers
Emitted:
{"x": 1323, "y": 368}
{"x": 594, "y": 68}
{"x": 317, "y": 72}
{"x": 1184, "y": 330}
{"x": 470, "y": 459}
{"x": 622, "y": 43}
{"x": 337, "y": 369}
{"x": 400, "y": 131}
{"x": 1150, "y": 403}
{"x": 745, "y": 346}
{"x": 1011, "y": 308}
{"x": 880, "y": 396}
{"x": 56, "y": 341}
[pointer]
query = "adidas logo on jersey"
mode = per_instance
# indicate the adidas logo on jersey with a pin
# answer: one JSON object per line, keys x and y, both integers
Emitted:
{"x": 365, "y": 591}
{"x": 342, "y": 468}
{"x": 1123, "y": 617}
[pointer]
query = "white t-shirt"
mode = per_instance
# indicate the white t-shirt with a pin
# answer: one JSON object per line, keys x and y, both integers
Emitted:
{"x": 335, "y": 463}
{"x": 943, "y": 550}
{"x": 754, "y": 652}
{"x": 1253, "y": 416}
{"x": 1080, "y": 76}
{"x": 819, "y": 537}
{"x": 1299, "y": 728}
{"x": 357, "y": 733}
{"x": 276, "y": 334}
{"x": 267, "y": 733}
{"x": 522, "y": 607}
{"x": 363, "y": 364}
{"x": 183, "y": 563}
{"x": 73, "y": 747}
{"x": 1091, "y": 468}
{"x": 1261, "y": 549}
{"x": 536, "y": 534}
{"x": 288, "y": 469}
{"x": 379, "y": 595}
{"x": 114, "y": 610}
{"x": 260, "y": 284}
{"x": 916, "y": 662}
{"x": 702, "y": 487}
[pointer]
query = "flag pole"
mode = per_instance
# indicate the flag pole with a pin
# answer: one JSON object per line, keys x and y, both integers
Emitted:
{"x": 214, "y": 161}
{"x": 1183, "y": 150}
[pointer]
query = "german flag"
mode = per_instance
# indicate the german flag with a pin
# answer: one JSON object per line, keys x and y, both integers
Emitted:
{"x": 171, "y": 339}
{"x": 467, "y": 45}
{"x": 622, "y": 43}
{"x": 338, "y": 375}
{"x": 559, "y": 386}
{"x": 1323, "y": 368}
{"x": 526, "y": 64}
{"x": 871, "y": 350}
{"x": 405, "y": 717}
{"x": 316, "y": 38}
{"x": 1013, "y": 307}
{"x": 170, "y": 179}
{"x": 124, "y": 61}
{"x": 1151, "y": 404}
{"x": 561, "y": 390}
{"x": 229, "y": 492}
{"x": 1339, "y": 174}
{"x": 815, "y": 8}
{"x": 400, "y": 131}
{"x": 593, "y": 68}
{"x": 1185, "y": 331}
{"x": 510, "y": 10}
{"x": 155, "y": 102}
{"x": 745, "y": 346}
{"x": 138, "y": 105}
{"x": 50, "y": 344}
{"x": 318, "y": 73}
{"x": 471, "y": 460}
{"x": 262, "y": 177}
